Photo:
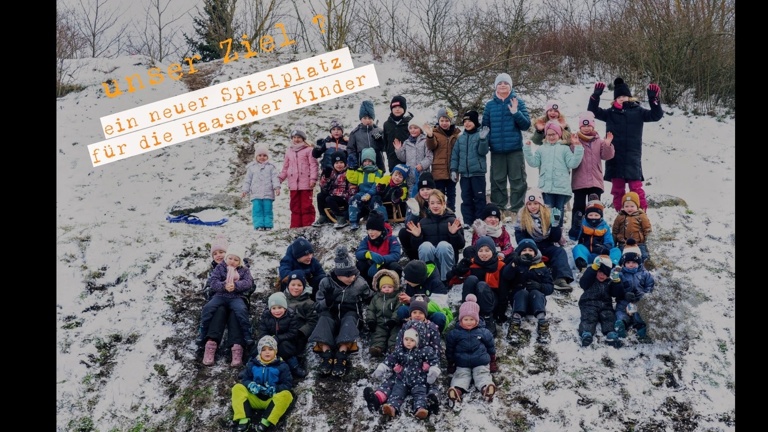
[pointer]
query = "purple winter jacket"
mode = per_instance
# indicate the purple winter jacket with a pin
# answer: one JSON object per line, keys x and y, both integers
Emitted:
{"x": 219, "y": 278}
{"x": 589, "y": 173}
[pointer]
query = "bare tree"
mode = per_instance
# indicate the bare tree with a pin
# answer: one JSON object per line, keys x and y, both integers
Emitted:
{"x": 69, "y": 43}
{"x": 156, "y": 37}
{"x": 100, "y": 25}
{"x": 433, "y": 17}
{"x": 331, "y": 22}
{"x": 260, "y": 18}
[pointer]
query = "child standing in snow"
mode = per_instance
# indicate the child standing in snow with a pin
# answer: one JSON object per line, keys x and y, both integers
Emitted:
{"x": 468, "y": 166}
{"x": 262, "y": 185}
{"x": 282, "y": 323}
{"x": 551, "y": 113}
{"x": 600, "y": 282}
{"x": 265, "y": 385}
{"x": 414, "y": 153}
{"x": 230, "y": 280}
{"x": 411, "y": 364}
{"x": 300, "y": 168}
{"x": 555, "y": 160}
{"x": 440, "y": 139}
{"x": 632, "y": 223}
{"x": 366, "y": 135}
{"x": 587, "y": 178}
{"x": 625, "y": 119}
{"x": 468, "y": 349}
{"x": 636, "y": 282}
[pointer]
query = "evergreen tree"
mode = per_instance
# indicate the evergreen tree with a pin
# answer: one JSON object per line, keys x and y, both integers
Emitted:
{"x": 214, "y": 24}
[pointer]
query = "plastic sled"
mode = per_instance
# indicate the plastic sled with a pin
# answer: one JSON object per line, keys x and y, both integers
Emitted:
{"x": 194, "y": 220}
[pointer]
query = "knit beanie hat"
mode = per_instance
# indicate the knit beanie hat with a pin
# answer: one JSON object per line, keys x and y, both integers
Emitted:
{"x": 375, "y": 221}
{"x": 386, "y": 280}
{"x": 299, "y": 276}
{"x": 535, "y": 195}
{"x": 426, "y": 180}
{"x": 398, "y": 101}
{"x": 339, "y": 156}
{"x": 586, "y": 118}
{"x": 402, "y": 168}
{"x": 418, "y": 303}
{"x": 368, "y": 154}
{"x": 593, "y": 200}
{"x": 298, "y": 130}
{"x": 552, "y": 104}
{"x": 261, "y": 150}
{"x": 335, "y": 124}
{"x": 267, "y": 341}
{"x": 472, "y": 116}
{"x": 484, "y": 241}
{"x": 631, "y": 196}
{"x": 366, "y": 110}
{"x": 219, "y": 244}
{"x": 411, "y": 334}
{"x": 502, "y": 77}
{"x": 620, "y": 88}
{"x": 343, "y": 263}
{"x": 555, "y": 126}
{"x": 238, "y": 251}
{"x": 631, "y": 252}
{"x": 415, "y": 272}
{"x": 594, "y": 209}
{"x": 490, "y": 209}
{"x": 527, "y": 243}
{"x": 445, "y": 112}
{"x": 301, "y": 247}
{"x": 277, "y": 299}
{"x": 470, "y": 308}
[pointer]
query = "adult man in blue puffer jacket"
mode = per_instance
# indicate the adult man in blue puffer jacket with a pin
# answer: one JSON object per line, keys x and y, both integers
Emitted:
{"x": 507, "y": 117}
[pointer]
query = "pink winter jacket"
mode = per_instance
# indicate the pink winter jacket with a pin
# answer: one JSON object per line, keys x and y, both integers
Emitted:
{"x": 589, "y": 173}
{"x": 299, "y": 167}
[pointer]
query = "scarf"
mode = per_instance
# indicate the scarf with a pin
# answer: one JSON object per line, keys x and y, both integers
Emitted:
{"x": 493, "y": 231}
{"x": 232, "y": 275}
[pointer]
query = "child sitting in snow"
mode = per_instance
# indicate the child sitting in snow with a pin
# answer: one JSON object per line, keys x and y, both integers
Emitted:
{"x": 300, "y": 257}
{"x": 300, "y": 301}
{"x": 489, "y": 224}
{"x": 468, "y": 349}
{"x": 636, "y": 282}
{"x": 370, "y": 182}
{"x": 335, "y": 192}
{"x": 282, "y": 323}
{"x": 265, "y": 384}
{"x": 594, "y": 238}
{"x": 600, "y": 282}
{"x": 381, "y": 315}
{"x": 379, "y": 249}
{"x": 411, "y": 364}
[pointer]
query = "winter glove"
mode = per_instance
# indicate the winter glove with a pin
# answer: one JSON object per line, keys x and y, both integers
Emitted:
{"x": 556, "y": 216}
{"x": 372, "y": 270}
{"x": 451, "y": 368}
{"x": 616, "y": 274}
{"x": 371, "y": 326}
{"x": 373, "y": 256}
{"x": 398, "y": 368}
{"x": 269, "y": 391}
{"x": 654, "y": 91}
{"x": 432, "y": 375}
{"x": 599, "y": 87}
{"x": 366, "y": 197}
{"x": 596, "y": 263}
{"x": 532, "y": 285}
{"x": 493, "y": 365}
{"x": 390, "y": 324}
{"x": 630, "y": 297}
{"x": 462, "y": 267}
{"x": 484, "y": 132}
{"x": 376, "y": 134}
{"x": 454, "y": 176}
{"x": 381, "y": 371}
{"x": 255, "y": 388}
{"x": 424, "y": 366}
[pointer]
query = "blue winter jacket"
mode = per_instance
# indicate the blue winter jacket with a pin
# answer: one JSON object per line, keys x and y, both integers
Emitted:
{"x": 469, "y": 348}
{"x": 638, "y": 281}
{"x": 275, "y": 373}
{"x": 468, "y": 157}
{"x": 506, "y": 129}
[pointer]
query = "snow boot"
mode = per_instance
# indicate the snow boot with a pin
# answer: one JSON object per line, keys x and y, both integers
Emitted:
{"x": 210, "y": 353}
{"x": 341, "y": 364}
{"x": 515, "y": 334}
{"x": 246, "y": 426}
{"x": 543, "y": 331}
{"x": 374, "y": 405}
{"x": 326, "y": 362}
{"x": 562, "y": 285}
{"x": 620, "y": 328}
{"x": 612, "y": 339}
{"x": 421, "y": 413}
{"x": 389, "y": 410}
{"x": 586, "y": 339}
{"x": 642, "y": 335}
{"x": 296, "y": 370}
{"x": 341, "y": 222}
{"x": 237, "y": 355}
{"x": 322, "y": 220}
{"x": 489, "y": 391}
{"x": 433, "y": 404}
{"x": 581, "y": 264}
{"x": 490, "y": 324}
{"x": 454, "y": 396}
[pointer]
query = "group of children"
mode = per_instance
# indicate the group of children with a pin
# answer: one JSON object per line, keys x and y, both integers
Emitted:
{"x": 403, "y": 308}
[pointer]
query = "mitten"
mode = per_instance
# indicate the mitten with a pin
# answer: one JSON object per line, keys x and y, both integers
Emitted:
{"x": 269, "y": 391}
{"x": 372, "y": 270}
{"x": 253, "y": 387}
{"x": 654, "y": 91}
{"x": 630, "y": 297}
{"x": 381, "y": 371}
{"x": 451, "y": 368}
{"x": 432, "y": 375}
{"x": 376, "y": 134}
{"x": 377, "y": 258}
{"x": 366, "y": 197}
{"x": 371, "y": 326}
{"x": 424, "y": 366}
{"x": 556, "y": 216}
{"x": 484, "y": 132}
{"x": 398, "y": 368}
{"x": 596, "y": 264}
{"x": 493, "y": 365}
{"x": 454, "y": 176}
{"x": 390, "y": 324}
{"x": 599, "y": 87}
{"x": 616, "y": 274}
{"x": 532, "y": 285}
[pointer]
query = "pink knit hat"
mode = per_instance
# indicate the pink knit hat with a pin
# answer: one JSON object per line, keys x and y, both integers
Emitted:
{"x": 534, "y": 195}
{"x": 219, "y": 244}
{"x": 470, "y": 308}
{"x": 552, "y": 104}
{"x": 587, "y": 118}
{"x": 555, "y": 127}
